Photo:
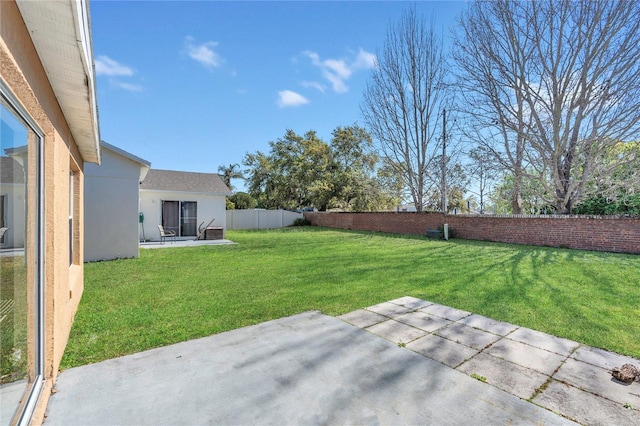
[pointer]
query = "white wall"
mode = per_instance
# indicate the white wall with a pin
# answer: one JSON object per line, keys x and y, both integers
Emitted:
{"x": 209, "y": 207}
{"x": 111, "y": 208}
{"x": 260, "y": 219}
{"x": 14, "y": 215}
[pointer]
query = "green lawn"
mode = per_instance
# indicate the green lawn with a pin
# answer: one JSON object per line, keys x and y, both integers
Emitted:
{"x": 13, "y": 327}
{"x": 176, "y": 294}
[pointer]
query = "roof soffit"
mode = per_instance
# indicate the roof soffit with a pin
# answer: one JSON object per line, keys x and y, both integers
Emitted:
{"x": 61, "y": 34}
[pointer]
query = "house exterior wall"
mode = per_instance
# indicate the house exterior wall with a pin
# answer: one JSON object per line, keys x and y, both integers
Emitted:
{"x": 111, "y": 208}
{"x": 209, "y": 207}
{"x": 23, "y": 73}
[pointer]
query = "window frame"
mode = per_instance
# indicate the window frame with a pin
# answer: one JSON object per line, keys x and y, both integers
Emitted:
{"x": 32, "y": 393}
{"x": 181, "y": 225}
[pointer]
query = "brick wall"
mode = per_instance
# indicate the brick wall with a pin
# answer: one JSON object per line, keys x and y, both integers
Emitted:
{"x": 621, "y": 235}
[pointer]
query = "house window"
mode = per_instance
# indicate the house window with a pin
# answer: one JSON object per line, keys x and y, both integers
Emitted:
{"x": 21, "y": 260}
{"x": 181, "y": 217}
{"x": 70, "y": 218}
{"x": 74, "y": 214}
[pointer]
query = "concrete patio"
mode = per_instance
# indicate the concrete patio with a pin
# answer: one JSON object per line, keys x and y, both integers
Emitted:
{"x": 184, "y": 242}
{"x": 558, "y": 374}
{"x": 407, "y": 361}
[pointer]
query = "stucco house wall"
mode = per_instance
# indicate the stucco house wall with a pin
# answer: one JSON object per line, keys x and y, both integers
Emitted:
{"x": 209, "y": 207}
{"x": 47, "y": 72}
{"x": 111, "y": 205}
{"x": 206, "y": 189}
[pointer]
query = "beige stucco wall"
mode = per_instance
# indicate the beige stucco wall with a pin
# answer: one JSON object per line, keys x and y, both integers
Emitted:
{"x": 21, "y": 70}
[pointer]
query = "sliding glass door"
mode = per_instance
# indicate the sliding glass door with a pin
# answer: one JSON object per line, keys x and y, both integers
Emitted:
{"x": 181, "y": 217}
{"x": 171, "y": 216}
{"x": 189, "y": 218}
{"x": 21, "y": 256}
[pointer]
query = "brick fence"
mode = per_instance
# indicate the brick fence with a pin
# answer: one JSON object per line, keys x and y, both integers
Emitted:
{"x": 601, "y": 233}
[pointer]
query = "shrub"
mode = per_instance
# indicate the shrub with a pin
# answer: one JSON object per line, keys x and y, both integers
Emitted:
{"x": 230, "y": 205}
{"x": 301, "y": 222}
{"x": 628, "y": 205}
{"x": 243, "y": 201}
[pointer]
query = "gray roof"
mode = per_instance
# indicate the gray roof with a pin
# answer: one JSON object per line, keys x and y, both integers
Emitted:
{"x": 125, "y": 154}
{"x": 169, "y": 180}
{"x": 11, "y": 171}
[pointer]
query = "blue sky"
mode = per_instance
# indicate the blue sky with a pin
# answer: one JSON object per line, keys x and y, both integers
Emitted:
{"x": 194, "y": 85}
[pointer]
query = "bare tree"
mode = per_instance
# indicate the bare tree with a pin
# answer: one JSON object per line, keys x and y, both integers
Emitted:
{"x": 484, "y": 171}
{"x": 403, "y": 100}
{"x": 560, "y": 80}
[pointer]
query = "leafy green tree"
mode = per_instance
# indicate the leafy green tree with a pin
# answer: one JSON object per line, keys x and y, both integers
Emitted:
{"x": 354, "y": 187}
{"x": 261, "y": 180}
{"x": 292, "y": 175}
{"x": 457, "y": 182}
{"x": 617, "y": 192}
{"x": 392, "y": 184}
{"x": 304, "y": 171}
{"x": 243, "y": 201}
{"x": 534, "y": 199}
{"x": 598, "y": 205}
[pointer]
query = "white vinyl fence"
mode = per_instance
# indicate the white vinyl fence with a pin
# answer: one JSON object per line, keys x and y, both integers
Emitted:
{"x": 260, "y": 219}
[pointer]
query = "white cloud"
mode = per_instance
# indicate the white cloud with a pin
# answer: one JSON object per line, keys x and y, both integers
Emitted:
{"x": 203, "y": 53}
{"x": 339, "y": 86}
{"x": 112, "y": 68}
{"x": 127, "y": 86}
{"x": 107, "y": 66}
{"x": 338, "y": 71}
{"x": 364, "y": 60}
{"x": 289, "y": 98}
{"x": 314, "y": 85}
{"x": 337, "y": 67}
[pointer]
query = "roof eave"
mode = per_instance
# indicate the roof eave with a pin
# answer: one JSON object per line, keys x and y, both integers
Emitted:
{"x": 126, "y": 154}
{"x": 226, "y": 194}
{"x": 67, "y": 59}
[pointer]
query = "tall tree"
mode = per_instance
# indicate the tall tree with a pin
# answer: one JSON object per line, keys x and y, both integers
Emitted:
{"x": 483, "y": 170}
{"x": 403, "y": 100}
{"x": 457, "y": 182}
{"x": 303, "y": 171}
{"x": 292, "y": 175}
{"x": 353, "y": 165}
{"x": 232, "y": 171}
{"x": 560, "y": 80}
{"x": 261, "y": 179}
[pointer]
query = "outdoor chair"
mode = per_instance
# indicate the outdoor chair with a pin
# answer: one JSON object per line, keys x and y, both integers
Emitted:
{"x": 164, "y": 234}
{"x": 2, "y": 232}
{"x": 6, "y": 307}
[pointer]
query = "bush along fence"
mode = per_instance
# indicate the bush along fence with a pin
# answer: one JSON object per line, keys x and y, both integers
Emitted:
{"x": 600, "y": 233}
